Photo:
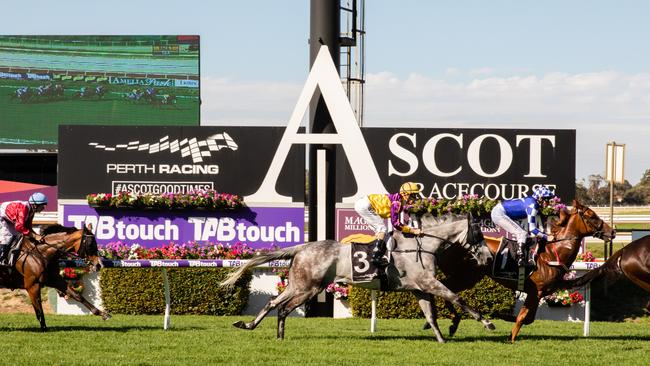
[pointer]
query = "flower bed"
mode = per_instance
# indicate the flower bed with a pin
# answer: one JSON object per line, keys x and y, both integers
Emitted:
{"x": 200, "y": 199}
{"x": 472, "y": 203}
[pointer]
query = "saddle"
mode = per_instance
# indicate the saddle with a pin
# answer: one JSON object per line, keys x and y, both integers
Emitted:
{"x": 10, "y": 254}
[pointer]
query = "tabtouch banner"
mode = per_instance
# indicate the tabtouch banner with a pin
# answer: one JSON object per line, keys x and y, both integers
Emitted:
{"x": 259, "y": 227}
{"x": 174, "y": 159}
{"x": 450, "y": 163}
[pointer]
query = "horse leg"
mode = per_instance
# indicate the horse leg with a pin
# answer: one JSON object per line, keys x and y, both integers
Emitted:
{"x": 436, "y": 288}
{"x": 284, "y": 297}
{"x": 455, "y": 318}
{"x": 429, "y": 310}
{"x": 526, "y": 314}
{"x": 285, "y": 309}
{"x": 34, "y": 292}
{"x": 61, "y": 286}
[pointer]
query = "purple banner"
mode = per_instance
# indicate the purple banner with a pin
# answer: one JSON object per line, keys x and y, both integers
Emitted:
{"x": 257, "y": 227}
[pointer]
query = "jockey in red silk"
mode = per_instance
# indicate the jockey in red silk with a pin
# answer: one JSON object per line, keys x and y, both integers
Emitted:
{"x": 16, "y": 220}
{"x": 504, "y": 214}
{"x": 375, "y": 208}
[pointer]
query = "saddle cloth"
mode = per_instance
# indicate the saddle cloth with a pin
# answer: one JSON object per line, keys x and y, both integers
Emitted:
{"x": 363, "y": 270}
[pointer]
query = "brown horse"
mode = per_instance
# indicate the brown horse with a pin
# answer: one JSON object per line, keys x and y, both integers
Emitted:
{"x": 37, "y": 265}
{"x": 632, "y": 261}
{"x": 557, "y": 256}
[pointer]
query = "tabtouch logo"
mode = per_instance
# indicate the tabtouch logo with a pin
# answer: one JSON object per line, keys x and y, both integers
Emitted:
{"x": 194, "y": 148}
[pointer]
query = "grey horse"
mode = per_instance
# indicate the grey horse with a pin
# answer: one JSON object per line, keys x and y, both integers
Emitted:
{"x": 314, "y": 265}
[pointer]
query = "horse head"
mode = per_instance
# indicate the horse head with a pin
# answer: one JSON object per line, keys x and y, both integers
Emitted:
{"x": 458, "y": 230}
{"x": 587, "y": 223}
{"x": 87, "y": 248}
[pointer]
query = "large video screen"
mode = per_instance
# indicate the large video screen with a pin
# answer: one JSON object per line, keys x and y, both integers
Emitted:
{"x": 110, "y": 80}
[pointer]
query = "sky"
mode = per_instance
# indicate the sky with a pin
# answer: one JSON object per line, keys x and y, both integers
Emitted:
{"x": 582, "y": 65}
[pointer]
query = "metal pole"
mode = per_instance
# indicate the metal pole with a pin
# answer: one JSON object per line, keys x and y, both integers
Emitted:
{"x": 325, "y": 28}
{"x": 168, "y": 302}
{"x": 373, "y": 313}
{"x": 585, "y": 330}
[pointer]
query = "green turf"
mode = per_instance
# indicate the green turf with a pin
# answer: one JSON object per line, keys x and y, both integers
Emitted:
{"x": 195, "y": 340}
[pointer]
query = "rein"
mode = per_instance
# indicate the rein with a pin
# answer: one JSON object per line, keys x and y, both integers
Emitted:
{"x": 82, "y": 246}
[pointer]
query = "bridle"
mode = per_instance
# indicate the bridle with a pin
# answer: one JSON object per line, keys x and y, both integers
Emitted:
{"x": 597, "y": 229}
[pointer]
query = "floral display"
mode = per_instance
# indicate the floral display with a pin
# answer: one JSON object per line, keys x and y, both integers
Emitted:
{"x": 191, "y": 250}
{"x": 585, "y": 257}
{"x": 563, "y": 298}
{"x": 283, "y": 273}
{"x": 199, "y": 199}
{"x": 74, "y": 278}
{"x": 552, "y": 207}
{"x": 469, "y": 203}
{"x": 472, "y": 203}
{"x": 340, "y": 292}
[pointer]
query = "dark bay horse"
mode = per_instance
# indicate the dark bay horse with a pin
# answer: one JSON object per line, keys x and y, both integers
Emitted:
{"x": 315, "y": 265}
{"x": 463, "y": 272}
{"x": 632, "y": 261}
{"x": 37, "y": 265}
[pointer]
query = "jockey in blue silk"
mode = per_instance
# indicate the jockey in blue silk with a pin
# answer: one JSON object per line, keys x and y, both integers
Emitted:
{"x": 375, "y": 208}
{"x": 504, "y": 214}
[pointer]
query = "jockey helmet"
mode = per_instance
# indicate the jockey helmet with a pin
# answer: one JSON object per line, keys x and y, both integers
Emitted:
{"x": 543, "y": 192}
{"x": 408, "y": 188}
{"x": 38, "y": 198}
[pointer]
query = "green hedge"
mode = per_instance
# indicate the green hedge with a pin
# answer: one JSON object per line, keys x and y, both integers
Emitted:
{"x": 487, "y": 297}
{"x": 193, "y": 291}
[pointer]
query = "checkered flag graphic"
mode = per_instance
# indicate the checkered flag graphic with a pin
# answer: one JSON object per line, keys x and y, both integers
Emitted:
{"x": 197, "y": 149}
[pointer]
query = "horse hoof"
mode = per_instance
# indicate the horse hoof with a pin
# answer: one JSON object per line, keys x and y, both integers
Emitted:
{"x": 240, "y": 324}
{"x": 426, "y": 326}
{"x": 490, "y": 326}
{"x": 106, "y": 316}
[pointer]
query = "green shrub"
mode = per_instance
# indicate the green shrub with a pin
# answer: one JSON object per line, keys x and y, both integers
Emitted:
{"x": 487, "y": 297}
{"x": 192, "y": 291}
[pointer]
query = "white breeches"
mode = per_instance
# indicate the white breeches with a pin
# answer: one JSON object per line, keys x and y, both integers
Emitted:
{"x": 500, "y": 218}
{"x": 364, "y": 209}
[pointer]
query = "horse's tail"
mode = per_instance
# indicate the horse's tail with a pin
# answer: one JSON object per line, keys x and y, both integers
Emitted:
{"x": 286, "y": 253}
{"x": 609, "y": 269}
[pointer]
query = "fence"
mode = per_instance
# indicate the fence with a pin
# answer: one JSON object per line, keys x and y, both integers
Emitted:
{"x": 174, "y": 263}
{"x": 580, "y": 267}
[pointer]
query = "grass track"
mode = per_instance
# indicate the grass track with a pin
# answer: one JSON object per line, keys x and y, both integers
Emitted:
{"x": 140, "y": 340}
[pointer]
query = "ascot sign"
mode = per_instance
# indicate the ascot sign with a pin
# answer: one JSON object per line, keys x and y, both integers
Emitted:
{"x": 494, "y": 163}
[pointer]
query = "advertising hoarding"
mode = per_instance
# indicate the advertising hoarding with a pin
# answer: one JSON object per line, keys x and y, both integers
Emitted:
{"x": 173, "y": 159}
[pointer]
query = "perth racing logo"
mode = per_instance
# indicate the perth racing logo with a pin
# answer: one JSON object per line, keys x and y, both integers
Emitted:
{"x": 197, "y": 149}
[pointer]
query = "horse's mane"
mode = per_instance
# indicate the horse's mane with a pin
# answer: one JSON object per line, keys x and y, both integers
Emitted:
{"x": 56, "y": 228}
{"x": 442, "y": 219}
{"x": 561, "y": 222}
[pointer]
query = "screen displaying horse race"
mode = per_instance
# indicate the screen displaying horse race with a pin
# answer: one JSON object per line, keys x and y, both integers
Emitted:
{"x": 109, "y": 80}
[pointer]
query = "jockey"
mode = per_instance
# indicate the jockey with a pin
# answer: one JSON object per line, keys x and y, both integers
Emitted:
{"x": 504, "y": 214}
{"x": 21, "y": 91}
{"x": 16, "y": 220}
{"x": 375, "y": 208}
{"x": 98, "y": 89}
{"x": 82, "y": 91}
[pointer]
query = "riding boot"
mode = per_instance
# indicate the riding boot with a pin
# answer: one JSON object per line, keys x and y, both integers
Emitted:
{"x": 378, "y": 253}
